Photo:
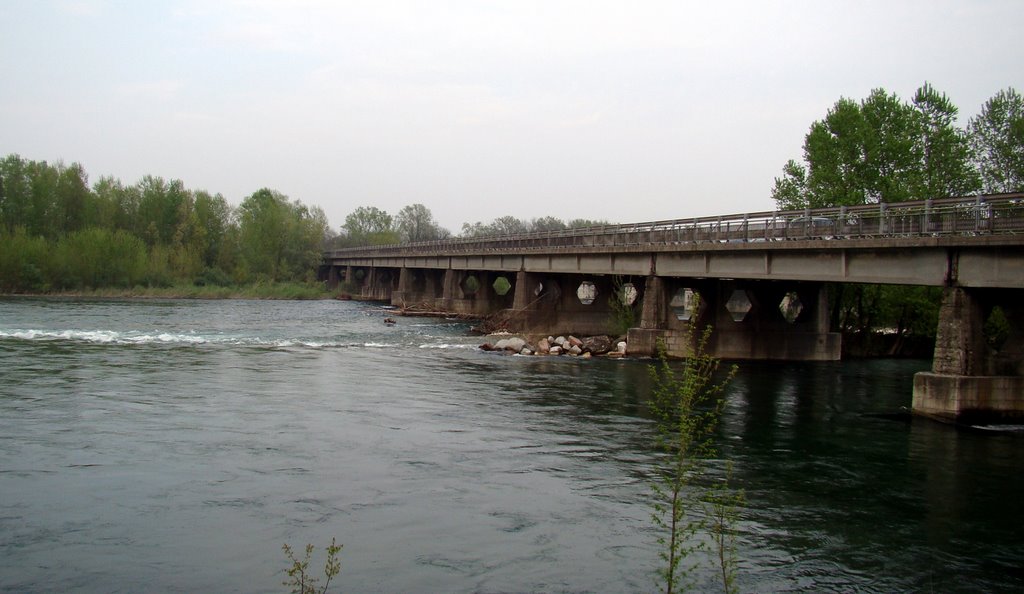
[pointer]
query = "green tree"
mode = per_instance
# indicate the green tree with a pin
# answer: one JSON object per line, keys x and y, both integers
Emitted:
{"x": 25, "y": 261}
{"x": 416, "y": 223}
{"x": 546, "y": 224}
{"x": 369, "y": 225}
{"x": 16, "y": 199}
{"x": 997, "y": 137}
{"x": 686, "y": 406}
{"x": 945, "y": 151}
{"x": 72, "y": 198}
{"x": 300, "y": 580}
{"x": 880, "y": 150}
{"x": 263, "y": 231}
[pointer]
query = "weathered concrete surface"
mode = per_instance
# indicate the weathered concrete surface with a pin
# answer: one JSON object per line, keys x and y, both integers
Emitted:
{"x": 969, "y": 399}
{"x": 960, "y": 385}
{"x": 925, "y": 261}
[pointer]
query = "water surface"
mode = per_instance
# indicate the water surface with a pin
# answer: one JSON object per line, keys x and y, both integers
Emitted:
{"x": 162, "y": 445}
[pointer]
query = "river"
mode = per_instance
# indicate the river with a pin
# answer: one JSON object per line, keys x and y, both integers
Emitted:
{"x": 175, "y": 446}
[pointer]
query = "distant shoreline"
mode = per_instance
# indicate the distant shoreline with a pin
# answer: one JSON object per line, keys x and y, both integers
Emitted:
{"x": 272, "y": 291}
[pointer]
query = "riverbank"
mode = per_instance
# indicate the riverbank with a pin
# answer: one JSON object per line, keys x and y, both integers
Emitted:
{"x": 298, "y": 291}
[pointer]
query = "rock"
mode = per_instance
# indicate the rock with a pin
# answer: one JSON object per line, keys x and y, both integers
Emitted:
{"x": 597, "y": 345}
{"x": 556, "y": 350}
{"x": 543, "y": 345}
{"x": 515, "y": 344}
{"x": 621, "y": 347}
{"x": 560, "y": 341}
{"x": 575, "y": 350}
{"x": 487, "y": 347}
{"x": 573, "y": 341}
{"x": 586, "y": 355}
{"x": 526, "y": 351}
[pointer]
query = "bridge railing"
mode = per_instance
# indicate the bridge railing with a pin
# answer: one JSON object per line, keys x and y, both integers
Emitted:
{"x": 975, "y": 215}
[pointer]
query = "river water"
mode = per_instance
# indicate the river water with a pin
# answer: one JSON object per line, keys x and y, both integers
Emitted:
{"x": 174, "y": 446}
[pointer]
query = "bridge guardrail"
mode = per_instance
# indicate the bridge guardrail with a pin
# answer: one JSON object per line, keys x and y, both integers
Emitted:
{"x": 975, "y": 215}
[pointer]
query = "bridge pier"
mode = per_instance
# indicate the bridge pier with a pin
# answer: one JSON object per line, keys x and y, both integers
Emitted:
{"x": 750, "y": 320}
{"x": 972, "y": 380}
{"x": 550, "y": 304}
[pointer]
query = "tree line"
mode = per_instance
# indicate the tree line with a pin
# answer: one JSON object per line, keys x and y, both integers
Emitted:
{"x": 58, "y": 233}
{"x": 369, "y": 225}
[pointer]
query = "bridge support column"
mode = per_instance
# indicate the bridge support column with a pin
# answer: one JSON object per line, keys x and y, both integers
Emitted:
{"x": 403, "y": 295}
{"x": 643, "y": 341}
{"x": 332, "y": 277}
{"x": 957, "y": 388}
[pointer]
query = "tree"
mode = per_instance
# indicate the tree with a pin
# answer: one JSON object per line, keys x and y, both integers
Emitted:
{"x": 686, "y": 408}
{"x": 944, "y": 149}
{"x": 880, "y": 150}
{"x": 416, "y": 223}
{"x": 546, "y": 224}
{"x": 263, "y": 231}
{"x": 16, "y": 200}
{"x": 369, "y": 225}
{"x": 997, "y": 137}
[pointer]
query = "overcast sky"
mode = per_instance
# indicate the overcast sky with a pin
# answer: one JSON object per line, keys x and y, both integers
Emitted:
{"x": 626, "y": 111}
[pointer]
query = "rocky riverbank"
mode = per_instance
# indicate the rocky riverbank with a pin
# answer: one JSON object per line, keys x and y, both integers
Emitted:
{"x": 571, "y": 346}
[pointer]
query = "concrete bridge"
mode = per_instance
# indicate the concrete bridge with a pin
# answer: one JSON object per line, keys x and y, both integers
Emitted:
{"x": 761, "y": 280}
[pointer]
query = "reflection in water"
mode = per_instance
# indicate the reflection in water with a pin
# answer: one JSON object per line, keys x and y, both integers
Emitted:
{"x": 184, "y": 462}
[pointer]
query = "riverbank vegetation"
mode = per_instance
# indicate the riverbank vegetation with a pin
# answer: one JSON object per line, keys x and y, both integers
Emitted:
{"x": 58, "y": 234}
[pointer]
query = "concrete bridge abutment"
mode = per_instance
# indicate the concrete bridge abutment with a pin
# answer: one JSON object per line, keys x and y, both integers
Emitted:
{"x": 977, "y": 375}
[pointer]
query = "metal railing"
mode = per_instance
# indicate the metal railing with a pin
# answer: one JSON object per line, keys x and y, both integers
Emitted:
{"x": 965, "y": 216}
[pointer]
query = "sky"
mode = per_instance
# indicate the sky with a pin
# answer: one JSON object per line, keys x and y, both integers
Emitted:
{"x": 622, "y": 111}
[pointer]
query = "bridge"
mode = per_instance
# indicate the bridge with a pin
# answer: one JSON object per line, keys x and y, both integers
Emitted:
{"x": 760, "y": 279}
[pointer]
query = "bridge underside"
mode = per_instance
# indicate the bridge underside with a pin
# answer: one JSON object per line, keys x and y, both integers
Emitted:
{"x": 752, "y": 319}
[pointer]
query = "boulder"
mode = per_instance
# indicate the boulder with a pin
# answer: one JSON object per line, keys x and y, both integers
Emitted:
{"x": 575, "y": 350}
{"x": 556, "y": 350}
{"x": 543, "y": 345}
{"x": 515, "y": 344}
{"x": 573, "y": 341}
{"x": 526, "y": 351}
{"x": 597, "y": 345}
{"x": 560, "y": 341}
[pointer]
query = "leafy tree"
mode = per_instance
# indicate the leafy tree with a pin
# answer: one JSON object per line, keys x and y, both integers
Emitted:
{"x": 72, "y": 197}
{"x": 546, "y": 224}
{"x": 583, "y": 223}
{"x": 263, "y": 231}
{"x": 300, "y": 579}
{"x": 997, "y": 137}
{"x": 416, "y": 223}
{"x": 945, "y": 150}
{"x": 24, "y": 261}
{"x": 279, "y": 240}
{"x": 686, "y": 407}
{"x": 369, "y": 225}
{"x": 880, "y": 150}
{"x": 16, "y": 199}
